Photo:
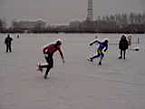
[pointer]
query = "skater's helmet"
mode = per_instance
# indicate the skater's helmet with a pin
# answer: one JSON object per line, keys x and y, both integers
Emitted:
{"x": 58, "y": 42}
{"x": 106, "y": 40}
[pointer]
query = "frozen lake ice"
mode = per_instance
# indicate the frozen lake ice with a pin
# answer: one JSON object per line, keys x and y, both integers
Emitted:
{"x": 77, "y": 84}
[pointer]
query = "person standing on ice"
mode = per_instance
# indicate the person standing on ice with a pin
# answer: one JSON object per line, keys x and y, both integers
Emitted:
{"x": 123, "y": 46}
{"x": 49, "y": 51}
{"x": 103, "y": 46}
{"x": 129, "y": 40}
{"x": 8, "y": 41}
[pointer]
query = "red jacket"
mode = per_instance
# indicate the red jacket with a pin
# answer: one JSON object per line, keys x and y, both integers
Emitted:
{"x": 51, "y": 49}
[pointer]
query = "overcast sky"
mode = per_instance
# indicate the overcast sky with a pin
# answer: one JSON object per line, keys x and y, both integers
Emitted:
{"x": 64, "y": 11}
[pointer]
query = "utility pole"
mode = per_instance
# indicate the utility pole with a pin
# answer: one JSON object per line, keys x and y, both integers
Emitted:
{"x": 90, "y": 11}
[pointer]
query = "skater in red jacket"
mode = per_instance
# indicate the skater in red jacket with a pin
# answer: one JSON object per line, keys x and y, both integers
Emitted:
{"x": 49, "y": 51}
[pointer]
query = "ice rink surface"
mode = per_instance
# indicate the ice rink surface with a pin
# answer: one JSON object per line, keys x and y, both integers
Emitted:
{"x": 77, "y": 84}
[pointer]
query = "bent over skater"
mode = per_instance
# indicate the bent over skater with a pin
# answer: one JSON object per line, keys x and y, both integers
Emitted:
{"x": 102, "y": 46}
{"x": 49, "y": 51}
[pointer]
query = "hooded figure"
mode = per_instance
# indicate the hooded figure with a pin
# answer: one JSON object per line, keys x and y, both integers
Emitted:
{"x": 123, "y": 46}
{"x": 8, "y": 41}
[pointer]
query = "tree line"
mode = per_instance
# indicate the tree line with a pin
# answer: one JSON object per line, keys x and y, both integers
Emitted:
{"x": 118, "y": 23}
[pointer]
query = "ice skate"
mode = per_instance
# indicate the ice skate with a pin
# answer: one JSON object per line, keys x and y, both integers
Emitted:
{"x": 99, "y": 63}
{"x": 39, "y": 67}
{"x": 90, "y": 60}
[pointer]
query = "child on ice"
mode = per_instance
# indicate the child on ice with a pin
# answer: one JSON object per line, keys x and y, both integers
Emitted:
{"x": 103, "y": 46}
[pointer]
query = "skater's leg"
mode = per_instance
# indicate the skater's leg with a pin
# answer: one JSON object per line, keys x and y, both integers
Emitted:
{"x": 49, "y": 60}
{"x": 101, "y": 58}
{"x": 7, "y": 48}
{"x": 10, "y": 48}
{"x": 47, "y": 71}
{"x": 44, "y": 66}
{"x": 96, "y": 56}
{"x": 124, "y": 53}
{"x": 41, "y": 66}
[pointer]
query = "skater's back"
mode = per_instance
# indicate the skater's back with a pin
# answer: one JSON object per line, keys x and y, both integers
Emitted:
{"x": 102, "y": 45}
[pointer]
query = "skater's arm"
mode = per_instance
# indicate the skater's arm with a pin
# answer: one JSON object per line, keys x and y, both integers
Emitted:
{"x": 44, "y": 50}
{"x": 11, "y": 39}
{"x": 61, "y": 54}
{"x": 96, "y": 41}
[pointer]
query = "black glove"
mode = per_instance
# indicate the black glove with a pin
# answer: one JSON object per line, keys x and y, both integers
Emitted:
{"x": 91, "y": 44}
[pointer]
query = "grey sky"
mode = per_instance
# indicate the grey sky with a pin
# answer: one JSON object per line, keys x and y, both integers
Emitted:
{"x": 64, "y": 11}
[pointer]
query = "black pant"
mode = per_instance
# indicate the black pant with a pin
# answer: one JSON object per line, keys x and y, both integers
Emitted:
{"x": 8, "y": 48}
{"x": 49, "y": 60}
{"x": 124, "y": 53}
{"x": 100, "y": 54}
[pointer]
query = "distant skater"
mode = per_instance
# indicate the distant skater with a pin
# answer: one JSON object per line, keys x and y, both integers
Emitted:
{"x": 8, "y": 41}
{"x": 129, "y": 40}
{"x": 18, "y": 36}
{"x": 103, "y": 46}
{"x": 49, "y": 51}
{"x": 123, "y": 46}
